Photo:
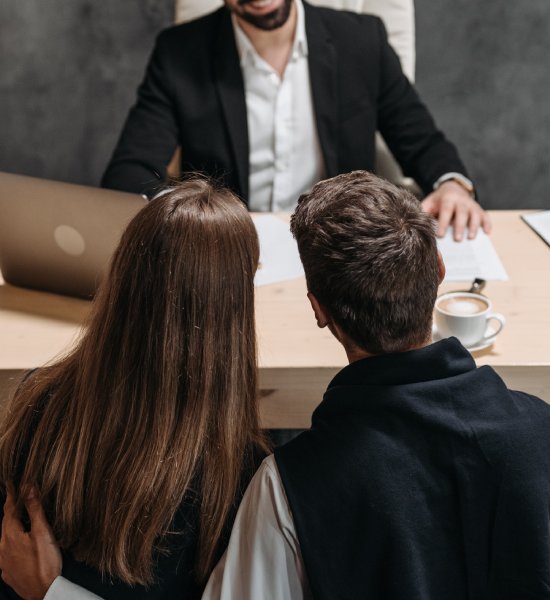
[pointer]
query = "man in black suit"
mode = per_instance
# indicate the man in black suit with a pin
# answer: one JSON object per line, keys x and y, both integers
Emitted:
{"x": 422, "y": 477}
{"x": 272, "y": 95}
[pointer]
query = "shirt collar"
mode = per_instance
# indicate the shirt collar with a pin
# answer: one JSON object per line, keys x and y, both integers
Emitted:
{"x": 247, "y": 52}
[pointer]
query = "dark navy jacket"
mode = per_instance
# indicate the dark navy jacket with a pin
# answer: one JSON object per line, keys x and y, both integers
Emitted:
{"x": 423, "y": 478}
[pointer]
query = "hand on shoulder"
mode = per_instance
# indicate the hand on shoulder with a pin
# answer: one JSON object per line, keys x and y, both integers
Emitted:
{"x": 30, "y": 561}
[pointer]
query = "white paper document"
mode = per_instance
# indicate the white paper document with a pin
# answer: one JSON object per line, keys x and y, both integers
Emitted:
{"x": 279, "y": 259}
{"x": 540, "y": 223}
{"x": 469, "y": 259}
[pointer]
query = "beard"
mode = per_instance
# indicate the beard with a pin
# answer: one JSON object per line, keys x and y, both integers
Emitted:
{"x": 269, "y": 21}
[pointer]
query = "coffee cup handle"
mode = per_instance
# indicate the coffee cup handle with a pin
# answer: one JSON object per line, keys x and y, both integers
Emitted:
{"x": 501, "y": 320}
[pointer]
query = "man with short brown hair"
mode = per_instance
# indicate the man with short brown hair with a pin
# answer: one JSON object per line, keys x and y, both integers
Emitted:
{"x": 422, "y": 477}
{"x": 360, "y": 237}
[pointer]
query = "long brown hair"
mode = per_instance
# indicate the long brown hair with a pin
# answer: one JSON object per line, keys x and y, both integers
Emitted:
{"x": 158, "y": 399}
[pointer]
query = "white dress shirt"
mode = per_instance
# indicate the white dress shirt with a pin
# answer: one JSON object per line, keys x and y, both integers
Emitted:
{"x": 263, "y": 558}
{"x": 62, "y": 589}
{"x": 285, "y": 158}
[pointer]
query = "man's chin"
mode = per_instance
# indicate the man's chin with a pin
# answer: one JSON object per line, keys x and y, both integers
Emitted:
{"x": 270, "y": 21}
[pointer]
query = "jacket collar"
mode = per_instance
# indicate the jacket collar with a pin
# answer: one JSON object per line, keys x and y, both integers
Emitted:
{"x": 323, "y": 76}
{"x": 230, "y": 88}
{"x": 441, "y": 360}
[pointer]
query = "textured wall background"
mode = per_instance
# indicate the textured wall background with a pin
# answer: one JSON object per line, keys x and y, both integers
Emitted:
{"x": 68, "y": 73}
{"x": 483, "y": 67}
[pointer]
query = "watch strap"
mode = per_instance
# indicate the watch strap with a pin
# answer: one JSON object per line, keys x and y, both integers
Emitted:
{"x": 462, "y": 180}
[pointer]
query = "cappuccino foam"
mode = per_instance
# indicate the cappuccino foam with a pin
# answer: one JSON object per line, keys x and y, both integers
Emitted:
{"x": 462, "y": 305}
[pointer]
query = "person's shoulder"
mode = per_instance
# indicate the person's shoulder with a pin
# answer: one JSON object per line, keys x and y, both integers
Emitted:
{"x": 304, "y": 450}
{"x": 336, "y": 19}
{"x": 518, "y": 435}
{"x": 525, "y": 458}
{"x": 269, "y": 468}
{"x": 530, "y": 402}
{"x": 265, "y": 487}
{"x": 192, "y": 31}
{"x": 359, "y": 37}
{"x": 531, "y": 413}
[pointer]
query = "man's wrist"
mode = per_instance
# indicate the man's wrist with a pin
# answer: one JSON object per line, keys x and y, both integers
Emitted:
{"x": 458, "y": 178}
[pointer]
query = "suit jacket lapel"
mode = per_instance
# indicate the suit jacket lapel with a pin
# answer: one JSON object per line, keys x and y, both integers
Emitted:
{"x": 230, "y": 86}
{"x": 323, "y": 78}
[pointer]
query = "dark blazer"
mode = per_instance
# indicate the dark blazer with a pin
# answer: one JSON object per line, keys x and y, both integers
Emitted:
{"x": 193, "y": 96}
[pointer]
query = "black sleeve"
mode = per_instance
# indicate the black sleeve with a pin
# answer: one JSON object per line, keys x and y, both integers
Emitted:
{"x": 407, "y": 126}
{"x": 150, "y": 134}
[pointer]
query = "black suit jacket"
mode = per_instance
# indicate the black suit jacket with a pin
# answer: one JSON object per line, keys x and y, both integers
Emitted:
{"x": 193, "y": 95}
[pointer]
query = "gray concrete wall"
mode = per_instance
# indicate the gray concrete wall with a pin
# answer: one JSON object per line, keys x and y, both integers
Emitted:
{"x": 483, "y": 67}
{"x": 68, "y": 73}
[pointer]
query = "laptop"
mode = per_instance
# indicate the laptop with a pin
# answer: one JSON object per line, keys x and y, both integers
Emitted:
{"x": 59, "y": 237}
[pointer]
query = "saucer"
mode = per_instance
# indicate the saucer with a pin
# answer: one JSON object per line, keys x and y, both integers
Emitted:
{"x": 490, "y": 331}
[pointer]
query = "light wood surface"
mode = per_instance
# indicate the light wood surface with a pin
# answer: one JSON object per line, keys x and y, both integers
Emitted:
{"x": 297, "y": 360}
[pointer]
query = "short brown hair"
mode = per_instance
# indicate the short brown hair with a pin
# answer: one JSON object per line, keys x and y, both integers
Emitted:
{"x": 370, "y": 257}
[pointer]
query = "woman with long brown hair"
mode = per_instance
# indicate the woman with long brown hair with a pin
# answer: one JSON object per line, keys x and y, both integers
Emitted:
{"x": 141, "y": 441}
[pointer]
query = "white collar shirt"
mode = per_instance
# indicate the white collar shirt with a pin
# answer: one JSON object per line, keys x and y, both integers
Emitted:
{"x": 285, "y": 158}
{"x": 263, "y": 558}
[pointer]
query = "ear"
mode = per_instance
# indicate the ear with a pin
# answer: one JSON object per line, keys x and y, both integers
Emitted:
{"x": 441, "y": 266}
{"x": 320, "y": 312}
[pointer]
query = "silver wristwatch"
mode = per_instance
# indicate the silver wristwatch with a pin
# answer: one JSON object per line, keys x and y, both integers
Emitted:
{"x": 462, "y": 180}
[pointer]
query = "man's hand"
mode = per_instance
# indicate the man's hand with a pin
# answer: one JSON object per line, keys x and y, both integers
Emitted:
{"x": 29, "y": 561}
{"x": 451, "y": 203}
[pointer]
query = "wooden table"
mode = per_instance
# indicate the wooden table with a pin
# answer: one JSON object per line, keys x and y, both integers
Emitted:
{"x": 297, "y": 360}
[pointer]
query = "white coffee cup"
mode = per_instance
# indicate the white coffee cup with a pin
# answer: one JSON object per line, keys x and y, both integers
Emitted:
{"x": 466, "y": 315}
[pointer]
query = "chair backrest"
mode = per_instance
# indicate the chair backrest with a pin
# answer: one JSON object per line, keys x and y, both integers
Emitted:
{"x": 398, "y": 17}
